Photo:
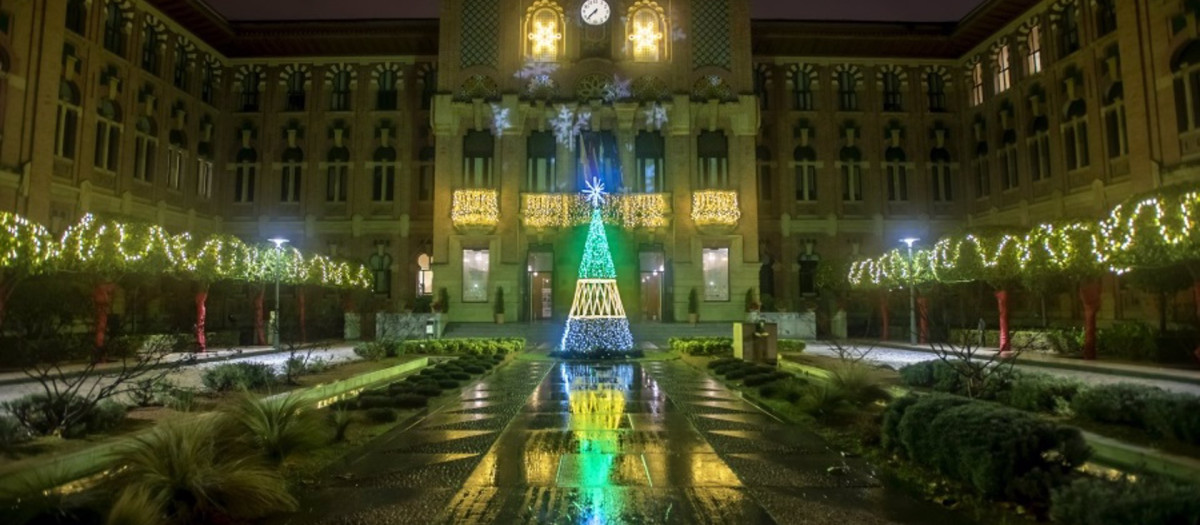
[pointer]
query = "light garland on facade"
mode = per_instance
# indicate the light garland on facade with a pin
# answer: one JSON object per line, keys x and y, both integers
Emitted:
{"x": 715, "y": 208}
{"x": 475, "y": 209}
{"x": 559, "y": 210}
{"x": 26, "y": 247}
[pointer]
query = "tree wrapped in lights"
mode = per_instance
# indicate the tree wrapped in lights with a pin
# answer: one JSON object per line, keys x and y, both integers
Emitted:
{"x": 992, "y": 256}
{"x": 597, "y": 322}
{"x": 217, "y": 258}
{"x": 26, "y": 249}
{"x": 891, "y": 271}
{"x": 106, "y": 251}
{"x": 1068, "y": 252}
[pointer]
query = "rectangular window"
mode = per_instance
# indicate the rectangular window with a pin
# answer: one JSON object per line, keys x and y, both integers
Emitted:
{"x": 716, "y": 274}
{"x": 243, "y": 191}
{"x": 852, "y": 182}
{"x": 937, "y": 92}
{"x": 847, "y": 91}
{"x": 207, "y": 81}
{"x": 897, "y": 177}
{"x": 802, "y": 95}
{"x": 983, "y": 180}
{"x": 289, "y": 189}
{"x": 337, "y": 182}
{"x": 942, "y": 192}
{"x": 175, "y": 162}
{"x": 764, "y": 181}
{"x": 475, "y": 276}
{"x": 1114, "y": 125}
{"x": 1003, "y": 72}
{"x": 977, "y": 84}
{"x": 383, "y": 184}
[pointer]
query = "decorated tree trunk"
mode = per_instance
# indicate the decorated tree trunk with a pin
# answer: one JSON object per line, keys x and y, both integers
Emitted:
{"x": 260, "y": 336}
{"x": 1089, "y": 293}
{"x": 102, "y": 306}
{"x": 884, "y": 317}
{"x": 201, "y": 316}
{"x": 1002, "y": 306}
{"x": 923, "y": 319}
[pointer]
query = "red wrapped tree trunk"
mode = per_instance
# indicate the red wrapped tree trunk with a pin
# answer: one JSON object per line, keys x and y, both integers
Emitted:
{"x": 300, "y": 304}
{"x": 923, "y": 319}
{"x": 102, "y": 305}
{"x": 1002, "y": 305}
{"x": 260, "y": 336}
{"x": 884, "y": 317}
{"x": 201, "y": 316}
{"x": 1089, "y": 293}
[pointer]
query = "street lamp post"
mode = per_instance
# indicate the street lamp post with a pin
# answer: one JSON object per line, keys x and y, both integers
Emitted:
{"x": 912, "y": 292}
{"x": 279, "y": 242}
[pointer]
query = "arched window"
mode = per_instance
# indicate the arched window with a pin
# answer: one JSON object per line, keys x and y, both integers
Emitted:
{"x": 145, "y": 150}
{"x": 896, "y": 166}
{"x": 802, "y": 94}
{"x": 939, "y": 168}
{"x": 208, "y": 82}
{"x": 1033, "y": 58}
{"x": 847, "y": 90}
{"x": 290, "y": 180}
{"x": 114, "y": 29}
{"x": 245, "y": 173}
{"x": 340, "y": 95}
{"x": 479, "y": 147}
{"x": 1115, "y": 140}
{"x": 337, "y": 181}
{"x": 1106, "y": 16}
{"x": 935, "y": 85}
{"x": 424, "y": 274}
{"x": 804, "y": 162}
{"x": 1069, "y": 36}
{"x": 176, "y": 158}
{"x": 250, "y": 90}
{"x": 893, "y": 93}
{"x": 67, "y": 121}
{"x": 543, "y": 32}
{"x": 851, "y": 167}
{"x": 296, "y": 94}
{"x": 1003, "y": 69}
{"x": 541, "y": 164}
{"x": 1039, "y": 148}
{"x": 108, "y": 136}
{"x": 180, "y": 76}
{"x": 383, "y": 178}
{"x": 387, "y": 95}
{"x": 151, "y": 57}
{"x": 712, "y": 148}
{"x": 647, "y": 30}
{"x": 77, "y": 16}
{"x": 977, "y": 84}
{"x": 1075, "y": 135}
{"x": 1186, "y": 67}
{"x": 649, "y": 152}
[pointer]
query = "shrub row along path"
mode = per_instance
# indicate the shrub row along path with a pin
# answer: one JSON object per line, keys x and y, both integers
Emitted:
{"x": 545, "y": 442}
{"x": 1097, "y": 373}
{"x": 17, "y": 384}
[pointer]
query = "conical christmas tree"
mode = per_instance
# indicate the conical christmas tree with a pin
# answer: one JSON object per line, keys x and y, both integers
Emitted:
{"x": 597, "y": 323}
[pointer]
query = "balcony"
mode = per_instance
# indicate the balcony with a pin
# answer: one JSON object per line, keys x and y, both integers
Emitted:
{"x": 715, "y": 211}
{"x": 647, "y": 211}
{"x": 475, "y": 211}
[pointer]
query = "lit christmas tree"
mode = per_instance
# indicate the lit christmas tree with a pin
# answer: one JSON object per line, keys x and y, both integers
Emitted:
{"x": 597, "y": 323}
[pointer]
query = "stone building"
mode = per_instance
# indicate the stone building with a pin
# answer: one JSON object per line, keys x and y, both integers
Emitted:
{"x": 752, "y": 152}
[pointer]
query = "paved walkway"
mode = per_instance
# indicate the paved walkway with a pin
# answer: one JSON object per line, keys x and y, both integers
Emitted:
{"x": 546, "y": 442}
{"x": 897, "y": 355}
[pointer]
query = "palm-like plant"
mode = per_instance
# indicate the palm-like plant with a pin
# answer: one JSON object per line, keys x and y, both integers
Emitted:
{"x": 277, "y": 427}
{"x": 183, "y": 473}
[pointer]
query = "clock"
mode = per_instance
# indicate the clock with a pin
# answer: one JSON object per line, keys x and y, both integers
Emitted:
{"x": 594, "y": 12}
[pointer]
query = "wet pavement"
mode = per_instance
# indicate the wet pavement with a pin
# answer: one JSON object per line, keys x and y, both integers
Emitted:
{"x": 541, "y": 442}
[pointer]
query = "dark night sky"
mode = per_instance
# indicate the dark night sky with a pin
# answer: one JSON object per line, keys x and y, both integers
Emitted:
{"x": 886, "y": 10}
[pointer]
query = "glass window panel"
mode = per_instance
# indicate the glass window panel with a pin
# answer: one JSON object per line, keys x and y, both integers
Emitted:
{"x": 716, "y": 274}
{"x": 475, "y": 276}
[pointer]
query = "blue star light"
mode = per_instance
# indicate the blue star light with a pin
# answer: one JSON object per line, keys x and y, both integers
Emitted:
{"x": 595, "y": 192}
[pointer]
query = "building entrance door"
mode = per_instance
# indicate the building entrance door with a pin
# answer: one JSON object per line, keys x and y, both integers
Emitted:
{"x": 541, "y": 286}
{"x": 652, "y": 266}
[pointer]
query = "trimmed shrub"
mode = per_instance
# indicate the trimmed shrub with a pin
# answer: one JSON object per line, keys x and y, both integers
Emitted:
{"x": 1175, "y": 416}
{"x": 737, "y": 373}
{"x": 769, "y": 391}
{"x": 791, "y": 345}
{"x": 722, "y": 362}
{"x": 375, "y": 401}
{"x": 69, "y": 416}
{"x": 410, "y": 401}
{"x": 480, "y": 346}
{"x": 460, "y": 376}
{"x": 474, "y": 369}
{"x": 1149, "y": 501}
{"x": 701, "y": 345}
{"x": 1041, "y": 392}
{"x": 760, "y": 379}
{"x": 936, "y": 374}
{"x": 238, "y": 376}
{"x": 1128, "y": 340}
{"x": 11, "y": 433}
{"x": 447, "y": 384}
{"x": 1115, "y": 404}
{"x": 376, "y": 350}
{"x": 998, "y": 451}
{"x": 381, "y": 415}
{"x": 428, "y": 390}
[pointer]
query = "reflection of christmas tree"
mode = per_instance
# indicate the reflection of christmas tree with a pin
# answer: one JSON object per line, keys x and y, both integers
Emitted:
{"x": 597, "y": 323}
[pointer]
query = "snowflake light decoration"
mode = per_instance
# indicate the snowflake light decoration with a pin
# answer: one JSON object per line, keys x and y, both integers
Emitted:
{"x": 677, "y": 34}
{"x": 618, "y": 89}
{"x": 500, "y": 119}
{"x": 568, "y": 124}
{"x": 656, "y": 116}
{"x": 595, "y": 192}
{"x": 537, "y": 75}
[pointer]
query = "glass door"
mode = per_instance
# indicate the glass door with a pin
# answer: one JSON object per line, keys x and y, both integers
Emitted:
{"x": 653, "y": 265}
{"x": 541, "y": 285}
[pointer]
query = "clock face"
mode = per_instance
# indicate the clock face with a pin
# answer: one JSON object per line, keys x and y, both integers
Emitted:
{"x": 594, "y": 12}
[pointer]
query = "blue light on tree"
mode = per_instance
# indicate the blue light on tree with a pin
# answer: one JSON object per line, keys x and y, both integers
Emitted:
{"x": 597, "y": 323}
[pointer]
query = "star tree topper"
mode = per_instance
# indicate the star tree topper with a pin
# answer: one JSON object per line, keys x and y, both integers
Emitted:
{"x": 595, "y": 192}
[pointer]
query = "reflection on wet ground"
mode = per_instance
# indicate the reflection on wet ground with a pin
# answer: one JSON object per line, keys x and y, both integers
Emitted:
{"x": 573, "y": 443}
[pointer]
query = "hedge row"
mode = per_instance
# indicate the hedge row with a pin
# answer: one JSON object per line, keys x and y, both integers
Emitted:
{"x": 376, "y": 350}
{"x": 714, "y": 346}
{"x": 1157, "y": 412}
{"x": 999, "y": 452}
{"x": 416, "y": 390}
